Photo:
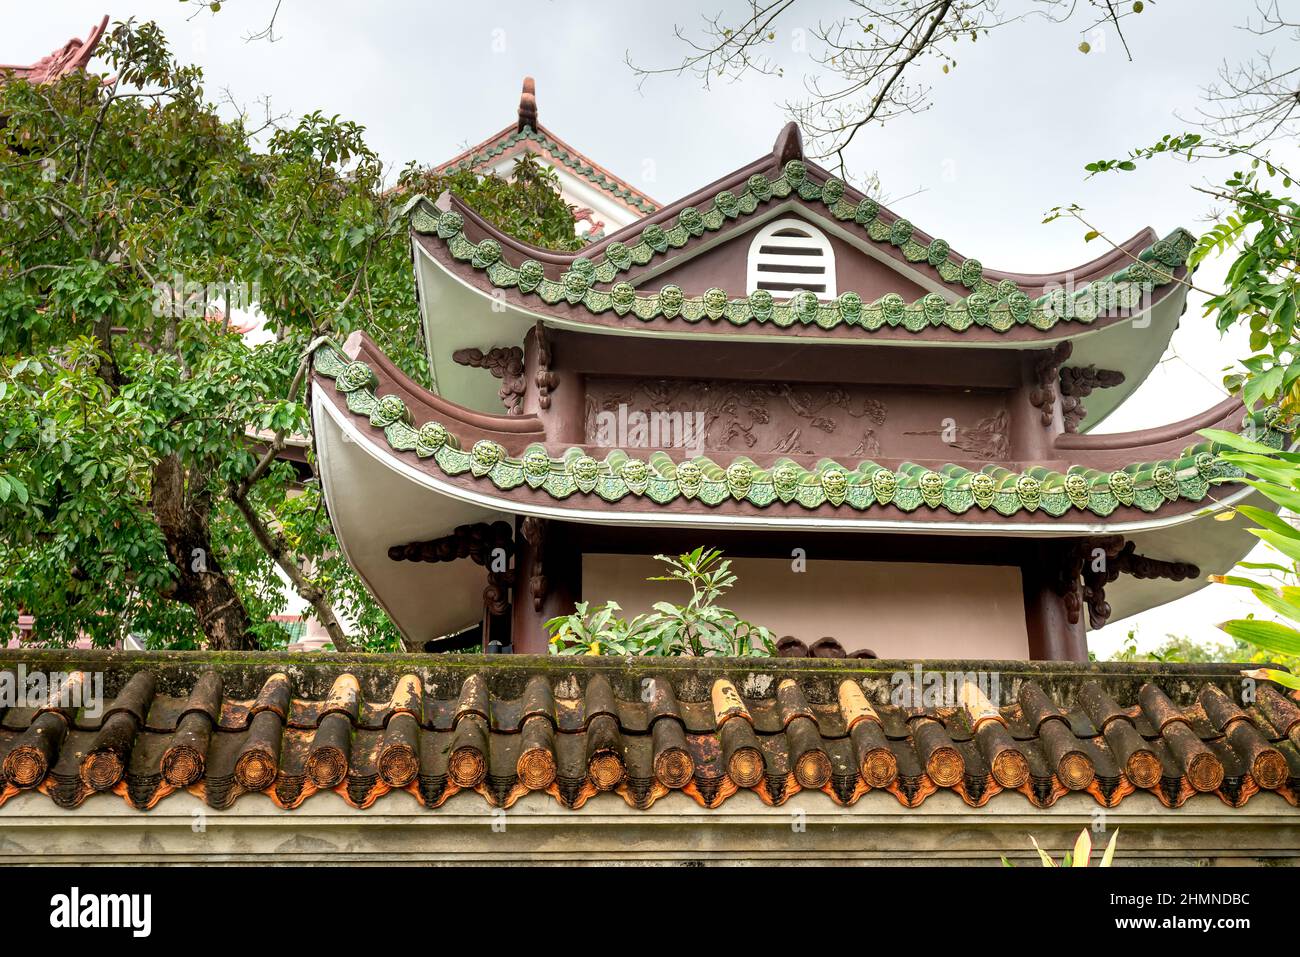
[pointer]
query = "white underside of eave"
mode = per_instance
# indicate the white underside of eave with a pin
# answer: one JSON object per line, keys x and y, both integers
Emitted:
{"x": 373, "y": 507}
{"x": 377, "y": 500}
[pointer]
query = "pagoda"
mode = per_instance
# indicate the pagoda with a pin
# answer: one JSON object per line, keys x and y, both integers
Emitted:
{"x": 894, "y": 443}
{"x": 601, "y": 201}
{"x": 897, "y": 448}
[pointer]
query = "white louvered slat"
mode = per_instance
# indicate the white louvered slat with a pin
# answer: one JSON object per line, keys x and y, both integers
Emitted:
{"x": 790, "y": 254}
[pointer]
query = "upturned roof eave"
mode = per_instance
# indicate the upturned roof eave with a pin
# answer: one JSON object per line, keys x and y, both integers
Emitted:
{"x": 775, "y": 161}
{"x": 85, "y": 53}
{"x": 1069, "y": 313}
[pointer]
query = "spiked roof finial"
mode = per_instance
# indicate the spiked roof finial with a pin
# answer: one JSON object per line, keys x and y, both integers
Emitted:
{"x": 528, "y": 104}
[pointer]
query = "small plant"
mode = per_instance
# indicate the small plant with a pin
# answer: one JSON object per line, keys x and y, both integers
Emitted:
{"x": 1079, "y": 856}
{"x": 698, "y": 628}
{"x": 585, "y": 632}
{"x": 1276, "y": 475}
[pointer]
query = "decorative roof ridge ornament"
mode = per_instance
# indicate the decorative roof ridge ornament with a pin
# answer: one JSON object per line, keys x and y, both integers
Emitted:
{"x": 859, "y": 486}
{"x": 789, "y": 144}
{"x": 528, "y": 105}
{"x": 527, "y": 128}
{"x": 72, "y": 56}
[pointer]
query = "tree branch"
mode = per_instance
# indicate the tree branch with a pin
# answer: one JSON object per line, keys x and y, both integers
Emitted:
{"x": 274, "y": 545}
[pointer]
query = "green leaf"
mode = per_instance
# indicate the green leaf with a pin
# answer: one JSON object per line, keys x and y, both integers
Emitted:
{"x": 1235, "y": 441}
{"x": 1280, "y": 603}
{"x": 1268, "y": 635}
{"x": 1271, "y": 520}
{"x": 1285, "y": 678}
{"x": 1266, "y": 567}
{"x": 1287, "y": 498}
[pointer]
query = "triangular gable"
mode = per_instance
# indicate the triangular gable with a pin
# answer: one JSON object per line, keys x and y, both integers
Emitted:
{"x": 789, "y": 247}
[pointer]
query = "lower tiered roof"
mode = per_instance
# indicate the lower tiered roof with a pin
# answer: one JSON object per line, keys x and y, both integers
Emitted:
{"x": 400, "y": 464}
{"x": 222, "y": 726}
{"x": 660, "y": 478}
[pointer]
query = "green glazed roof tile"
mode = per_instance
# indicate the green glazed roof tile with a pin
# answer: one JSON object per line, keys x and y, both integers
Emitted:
{"x": 1000, "y": 307}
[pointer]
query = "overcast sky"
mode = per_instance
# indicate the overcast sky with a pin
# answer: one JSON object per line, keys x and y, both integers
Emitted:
{"x": 1006, "y": 139}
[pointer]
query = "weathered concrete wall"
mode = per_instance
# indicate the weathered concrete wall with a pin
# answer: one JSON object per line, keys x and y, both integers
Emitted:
{"x": 675, "y": 830}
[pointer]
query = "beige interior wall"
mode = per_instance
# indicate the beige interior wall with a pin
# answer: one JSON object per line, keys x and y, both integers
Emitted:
{"x": 898, "y": 610}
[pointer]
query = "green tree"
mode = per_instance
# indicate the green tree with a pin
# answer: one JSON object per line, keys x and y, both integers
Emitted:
{"x": 142, "y": 487}
{"x": 527, "y": 205}
{"x": 1257, "y": 227}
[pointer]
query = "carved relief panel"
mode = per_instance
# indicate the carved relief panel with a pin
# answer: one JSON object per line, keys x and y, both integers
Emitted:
{"x": 782, "y": 418}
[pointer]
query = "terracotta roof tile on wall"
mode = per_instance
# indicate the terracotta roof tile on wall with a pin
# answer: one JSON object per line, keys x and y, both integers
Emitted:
{"x": 289, "y": 726}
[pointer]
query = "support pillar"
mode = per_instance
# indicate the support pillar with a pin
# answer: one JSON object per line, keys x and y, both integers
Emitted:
{"x": 548, "y": 581}
{"x": 1052, "y": 635}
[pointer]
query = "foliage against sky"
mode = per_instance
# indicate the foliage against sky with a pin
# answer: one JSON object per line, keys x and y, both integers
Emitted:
{"x": 135, "y": 222}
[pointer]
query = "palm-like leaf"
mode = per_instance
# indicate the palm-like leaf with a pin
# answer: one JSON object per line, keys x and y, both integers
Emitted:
{"x": 1082, "y": 849}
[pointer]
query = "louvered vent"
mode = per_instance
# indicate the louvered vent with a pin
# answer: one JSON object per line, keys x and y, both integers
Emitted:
{"x": 789, "y": 254}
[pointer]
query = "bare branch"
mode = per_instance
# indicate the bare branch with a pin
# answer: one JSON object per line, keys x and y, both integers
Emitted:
{"x": 864, "y": 61}
{"x": 726, "y": 51}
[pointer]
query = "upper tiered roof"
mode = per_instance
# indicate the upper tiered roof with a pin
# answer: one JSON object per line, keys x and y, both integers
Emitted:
{"x": 680, "y": 273}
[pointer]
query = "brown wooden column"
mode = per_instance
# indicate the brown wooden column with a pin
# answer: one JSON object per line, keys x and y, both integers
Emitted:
{"x": 553, "y": 391}
{"x": 1052, "y": 636}
{"x": 1037, "y": 399}
{"x": 548, "y": 580}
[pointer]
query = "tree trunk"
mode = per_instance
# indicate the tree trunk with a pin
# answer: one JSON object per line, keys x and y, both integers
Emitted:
{"x": 200, "y": 582}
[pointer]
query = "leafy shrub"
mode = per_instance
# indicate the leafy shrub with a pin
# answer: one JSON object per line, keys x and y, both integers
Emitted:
{"x": 698, "y": 628}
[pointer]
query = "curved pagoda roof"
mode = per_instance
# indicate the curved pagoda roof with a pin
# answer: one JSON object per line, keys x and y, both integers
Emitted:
{"x": 528, "y": 135}
{"x": 72, "y": 56}
{"x": 918, "y": 291}
{"x": 400, "y": 464}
